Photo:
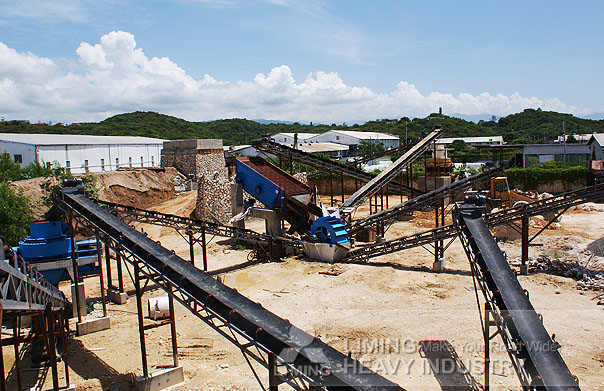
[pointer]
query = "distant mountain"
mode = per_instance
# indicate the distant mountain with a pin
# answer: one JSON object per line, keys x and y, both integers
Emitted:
{"x": 528, "y": 126}
{"x": 594, "y": 116}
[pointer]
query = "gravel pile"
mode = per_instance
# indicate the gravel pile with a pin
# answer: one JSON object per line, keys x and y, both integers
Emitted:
{"x": 586, "y": 278}
{"x": 597, "y": 247}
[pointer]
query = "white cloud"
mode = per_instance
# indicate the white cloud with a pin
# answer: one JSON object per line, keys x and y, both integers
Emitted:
{"x": 115, "y": 76}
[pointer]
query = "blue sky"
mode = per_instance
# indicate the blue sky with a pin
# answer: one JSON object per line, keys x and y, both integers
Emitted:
{"x": 323, "y": 61}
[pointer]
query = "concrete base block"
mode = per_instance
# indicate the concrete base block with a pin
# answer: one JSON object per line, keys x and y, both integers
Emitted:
{"x": 90, "y": 326}
{"x": 82, "y": 304}
{"x": 161, "y": 379}
{"x": 439, "y": 266}
{"x": 117, "y": 297}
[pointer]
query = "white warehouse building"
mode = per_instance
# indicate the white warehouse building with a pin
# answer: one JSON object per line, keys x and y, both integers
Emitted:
{"x": 351, "y": 137}
{"x": 81, "y": 153}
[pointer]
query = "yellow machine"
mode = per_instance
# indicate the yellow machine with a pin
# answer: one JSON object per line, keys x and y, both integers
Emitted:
{"x": 500, "y": 192}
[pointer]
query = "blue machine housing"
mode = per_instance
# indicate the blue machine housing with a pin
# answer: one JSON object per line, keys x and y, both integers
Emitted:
{"x": 49, "y": 243}
{"x": 258, "y": 186}
{"x": 329, "y": 229}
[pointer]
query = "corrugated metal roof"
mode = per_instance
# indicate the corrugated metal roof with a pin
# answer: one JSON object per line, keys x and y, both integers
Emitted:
{"x": 321, "y": 147}
{"x": 599, "y": 137}
{"x": 69, "y": 139}
{"x": 366, "y": 135}
{"x": 479, "y": 139}
{"x": 301, "y": 136}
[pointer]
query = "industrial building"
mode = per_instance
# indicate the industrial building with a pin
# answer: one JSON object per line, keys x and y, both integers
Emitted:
{"x": 350, "y": 137}
{"x": 596, "y": 142}
{"x": 533, "y": 154}
{"x": 482, "y": 141}
{"x": 82, "y": 153}
{"x": 288, "y": 138}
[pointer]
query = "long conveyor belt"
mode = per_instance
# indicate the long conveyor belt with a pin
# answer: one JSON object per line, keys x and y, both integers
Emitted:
{"x": 374, "y": 185}
{"x": 385, "y": 152}
{"x": 421, "y": 201}
{"x": 255, "y": 330}
{"x": 324, "y": 164}
{"x": 562, "y": 201}
{"x": 534, "y": 354}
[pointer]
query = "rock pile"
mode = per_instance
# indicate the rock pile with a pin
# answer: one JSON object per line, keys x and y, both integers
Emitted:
{"x": 214, "y": 197}
{"x": 302, "y": 177}
{"x": 597, "y": 247}
{"x": 586, "y": 278}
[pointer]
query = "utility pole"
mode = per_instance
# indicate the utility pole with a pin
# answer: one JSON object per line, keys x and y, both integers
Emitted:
{"x": 564, "y": 137}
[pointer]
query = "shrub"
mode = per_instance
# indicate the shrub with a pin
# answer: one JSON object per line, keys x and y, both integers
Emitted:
{"x": 15, "y": 214}
{"x": 531, "y": 177}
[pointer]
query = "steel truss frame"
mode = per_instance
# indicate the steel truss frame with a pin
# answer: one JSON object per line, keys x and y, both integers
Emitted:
{"x": 185, "y": 224}
{"x": 421, "y": 201}
{"x": 491, "y": 311}
{"x": 383, "y": 178}
{"x": 272, "y": 147}
{"x": 286, "y": 363}
{"x": 22, "y": 288}
{"x": 505, "y": 216}
{"x": 512, "y": 314}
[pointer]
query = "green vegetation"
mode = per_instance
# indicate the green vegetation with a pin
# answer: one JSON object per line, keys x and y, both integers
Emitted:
{"x": 529, "y": 126}
{"x": 15, "y": 208}
{"x": 530, "y": 178}
{"x": 15, "y": 214}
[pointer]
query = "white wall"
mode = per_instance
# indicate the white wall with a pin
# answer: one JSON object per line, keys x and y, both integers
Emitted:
{"x": 338, "y": 138}
{"x": 78, "y": 154}
{"x": 282, "y": 139}
{"x": 27, "y": 151}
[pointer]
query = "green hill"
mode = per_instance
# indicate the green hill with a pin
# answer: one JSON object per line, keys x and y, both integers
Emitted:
{"x": 527, "y": 126}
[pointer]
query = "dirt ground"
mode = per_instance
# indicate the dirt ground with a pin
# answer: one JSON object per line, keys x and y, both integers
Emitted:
{"x": 387, "y": 313}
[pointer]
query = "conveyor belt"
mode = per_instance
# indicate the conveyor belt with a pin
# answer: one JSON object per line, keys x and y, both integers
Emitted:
{"x": 184, "y": 224}
{"x": 326, "y": 165}
{"x": 421, "y": 201}
{"x": 231, "y": 314}
{"x": 529, "y": 345}
{"x": 386, "y": 152}
{"x": 23, "y": 289}
{"x": 593, "y": 193}
{"x": 374, "y": 185}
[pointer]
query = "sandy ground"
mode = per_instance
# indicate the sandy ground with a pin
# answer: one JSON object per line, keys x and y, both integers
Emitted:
{"x": 386, "y": 313}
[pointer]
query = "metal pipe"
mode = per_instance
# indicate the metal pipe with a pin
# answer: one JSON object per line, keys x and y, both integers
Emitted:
{"x": 108, "y": 263}
{"x": 139, "y": 308}
{"x": 191, "y": 247}
{"x": 173, "y": 329}
{"x": 52, "y": 351}
{"x": 120, "y": 276}
{"x": 74, "y": 265}
{"x": 16, "y": 332}
{"x": 2, "y": 379}
{"x": 487, "y": 345}
{"x": 62, "y": 320}
{"x": 100, "y": 261}
{"x": 204, "y": 247}
{"x": 525, "y": 244}
{"x": 273, "y": 383}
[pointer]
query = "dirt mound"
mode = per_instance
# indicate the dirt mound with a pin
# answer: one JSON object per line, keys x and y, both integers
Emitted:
{"x": 134, "y": 187}
{"x": 138, "y": 187}
{"x": 38, "y": 192}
